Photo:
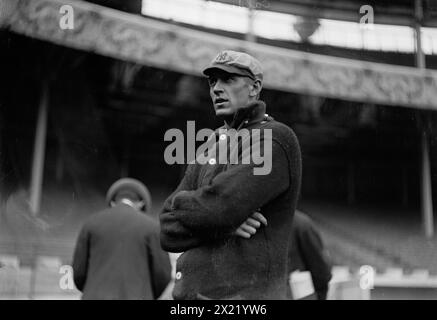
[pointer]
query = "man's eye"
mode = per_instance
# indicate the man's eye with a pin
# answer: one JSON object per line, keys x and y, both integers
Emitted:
{"x": 212, "y": 82}
{"x": 229, "y": 79}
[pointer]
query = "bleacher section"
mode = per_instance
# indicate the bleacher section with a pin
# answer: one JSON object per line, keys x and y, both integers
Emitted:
{"x": 47, "y": 280}
{"x": 381, "y": 237}
{"x": 404, "y": 261}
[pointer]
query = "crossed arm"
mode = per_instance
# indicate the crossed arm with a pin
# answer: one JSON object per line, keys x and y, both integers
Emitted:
{"x": 224, "y": 207}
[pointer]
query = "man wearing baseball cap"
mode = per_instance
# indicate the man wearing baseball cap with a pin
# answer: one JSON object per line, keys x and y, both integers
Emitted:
{"x": 245, "y": 73}
{"x": 231, "y": 224}
{"x": 118, "y": 255}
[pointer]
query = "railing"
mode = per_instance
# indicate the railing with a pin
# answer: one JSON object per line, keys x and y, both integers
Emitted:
{"x": 393, "y": 284}
{"x": 47, "y": 280}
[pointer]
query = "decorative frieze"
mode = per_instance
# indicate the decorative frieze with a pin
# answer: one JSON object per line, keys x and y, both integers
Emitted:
{"x": 138, "y": 39}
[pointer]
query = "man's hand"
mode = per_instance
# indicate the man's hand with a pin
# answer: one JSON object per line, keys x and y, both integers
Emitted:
{"x": 249, "y": 227}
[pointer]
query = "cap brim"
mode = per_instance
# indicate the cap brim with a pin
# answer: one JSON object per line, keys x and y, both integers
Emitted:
{"x": 229, "y": 69}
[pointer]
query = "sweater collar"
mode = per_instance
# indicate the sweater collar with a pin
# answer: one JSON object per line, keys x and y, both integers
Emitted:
{"x": 253, "y": 113}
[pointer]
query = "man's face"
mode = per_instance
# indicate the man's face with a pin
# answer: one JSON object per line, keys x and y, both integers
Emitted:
{"x": 229, "y": 92}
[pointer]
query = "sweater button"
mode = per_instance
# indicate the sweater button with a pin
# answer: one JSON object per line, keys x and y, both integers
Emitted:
{"x": 212, "y": 161}
{"x": 178, "y": 275}
{"x": 223, "y": 137}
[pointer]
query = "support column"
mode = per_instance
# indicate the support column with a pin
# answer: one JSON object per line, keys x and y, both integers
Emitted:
{"x": 426, "y": 196}
{"x": 251, "y": 6}
{"x": 351, "y": 184}
{"x": 124, "y": 167}
{"x": 427, "y": 211}
{"x": 420, "y": 57}
{"x": 39, "y": 151}
{"x": 404, "y": 174}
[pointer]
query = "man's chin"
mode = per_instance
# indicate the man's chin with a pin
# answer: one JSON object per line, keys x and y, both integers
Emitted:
{"x": 223, "y": 112}
{"x": 224, "y": 115}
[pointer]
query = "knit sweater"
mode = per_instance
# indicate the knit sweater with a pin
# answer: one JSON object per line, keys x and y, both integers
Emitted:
{"x": 199, "y": 218}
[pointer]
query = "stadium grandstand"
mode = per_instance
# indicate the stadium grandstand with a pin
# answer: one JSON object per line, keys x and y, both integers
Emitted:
{"x": 87, "y": 101}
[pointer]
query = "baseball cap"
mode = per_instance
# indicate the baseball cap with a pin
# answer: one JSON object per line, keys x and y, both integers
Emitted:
{"x": 235, "y": 62}
{"x": 131, "y": 188}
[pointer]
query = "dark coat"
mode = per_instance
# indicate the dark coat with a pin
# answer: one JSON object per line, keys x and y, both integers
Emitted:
{"x": 118, "y": 256}
{"x": 199, "y": 219}
{"x": 308, "y": 254}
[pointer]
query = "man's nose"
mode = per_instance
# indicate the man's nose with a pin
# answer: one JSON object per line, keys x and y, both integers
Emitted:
{"x": 217, "y": 88}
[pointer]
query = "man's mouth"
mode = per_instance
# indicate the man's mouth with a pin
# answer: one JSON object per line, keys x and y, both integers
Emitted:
{"x": 219, "y": 101}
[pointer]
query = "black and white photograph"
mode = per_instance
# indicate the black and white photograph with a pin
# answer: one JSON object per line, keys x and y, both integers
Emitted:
{"x": 249, "y": 150}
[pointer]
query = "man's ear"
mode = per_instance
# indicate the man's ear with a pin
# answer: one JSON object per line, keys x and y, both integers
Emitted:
{"x": 140, "y": 205}
{"x": 255, "y": 88}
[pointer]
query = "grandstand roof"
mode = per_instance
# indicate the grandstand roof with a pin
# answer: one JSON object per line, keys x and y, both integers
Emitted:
{"x": 398, "y": 12}
{"x": 162, "y": 44}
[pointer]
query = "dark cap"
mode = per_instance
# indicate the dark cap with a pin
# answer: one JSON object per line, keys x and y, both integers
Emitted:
{"x": 131, "y": 188}
{"x": 235, "y": 62}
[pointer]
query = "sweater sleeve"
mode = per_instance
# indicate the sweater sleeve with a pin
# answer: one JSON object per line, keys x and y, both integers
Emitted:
{"x": 217, "y": 209}
{"x": 174, "y": 236}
